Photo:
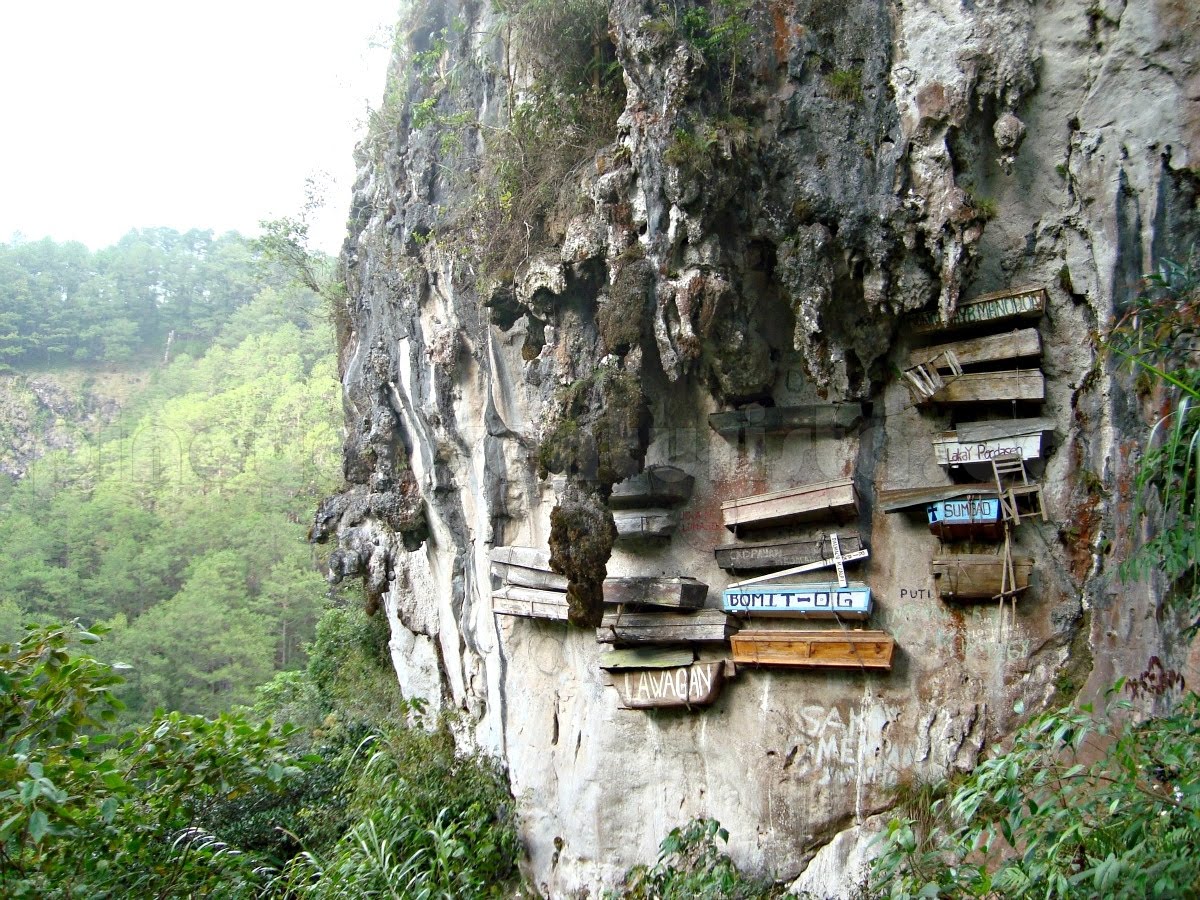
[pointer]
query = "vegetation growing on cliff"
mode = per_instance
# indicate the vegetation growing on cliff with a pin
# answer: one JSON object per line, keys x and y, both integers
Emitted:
{"x": 232, "y": 806}
{"x": 1044, "y": 820}
{"x": 1158, "y": 336}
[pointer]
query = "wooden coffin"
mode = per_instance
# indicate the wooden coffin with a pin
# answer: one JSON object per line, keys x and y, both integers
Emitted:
{"x": 664, "y": 627}
{"x": 987, "y": 309}
{"x": 979, "y": 442}
{"x": 656, "y": 486}
{"x": 634, "y": 524}
{"x": 530, "y": 603}
{"x": 672, "y": 593}
{"x": 526, "y": 567}
{"x": 987, "y": 387}
{"x": 815, "y": 649}
{"x": 896, "y": 499}
{"x": 1018, "y": 344}
{"x": 832, "y": 417}
{"x": 695, "y": 685}
{"x": 825, "y": 500}
{"x": 783, "y": 554}
{"x": 815, "y": 600}
{"x": 646, "y": 658}
{"x": 975, "y": 576}
{"x": 966, "y": 518}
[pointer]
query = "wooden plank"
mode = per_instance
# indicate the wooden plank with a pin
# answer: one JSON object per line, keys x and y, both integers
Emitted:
{"x": 646, "y": 658}
{"x": 949, "y": 449}
{"x": 986, "y": 387}
{"x": 687, "y": 686}
{"x": 664, "y": 627}
{"x": 656, "y": 486}
{"x": 815, "y": 649}
{"x": 784, "y": 419}
{"x": 675, "y": 593}
{"x": 896, "y": 499}
{"x": 530, "y": 603}
{"x": 1027, "y": 302}
{"x": 1002, "y": 428}
{"x": 966, "y": 518}
{"x": 976, "y": 576}
{"x": 645, "y": 523}
{"x": 1017, "y": 344}
{"x": 828, "y": 499}
{"x": 782, "y": 554}
{"x": 813, "y": 600}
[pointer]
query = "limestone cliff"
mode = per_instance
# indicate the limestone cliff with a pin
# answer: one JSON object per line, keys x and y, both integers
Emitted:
{"x": 581, "y": 228}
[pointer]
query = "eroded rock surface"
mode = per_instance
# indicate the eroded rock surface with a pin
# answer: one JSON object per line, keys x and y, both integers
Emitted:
{"x": 751, "y": 226}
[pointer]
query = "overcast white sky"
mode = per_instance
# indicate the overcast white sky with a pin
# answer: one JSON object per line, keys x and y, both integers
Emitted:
{"x": 119, "y": 114}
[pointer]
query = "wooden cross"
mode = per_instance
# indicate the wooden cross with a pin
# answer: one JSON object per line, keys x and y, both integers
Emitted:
{"x": 838, "y": 561}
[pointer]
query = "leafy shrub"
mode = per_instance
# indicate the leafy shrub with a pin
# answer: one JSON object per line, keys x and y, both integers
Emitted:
{"x": 1043, "y": 821}
{"x": 690, "y": 865}
{"x": 86, "y": 813}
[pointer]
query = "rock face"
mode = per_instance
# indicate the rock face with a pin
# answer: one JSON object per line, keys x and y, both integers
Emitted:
{"x": 42, "y": 413}
{"x": 567, "y": 251}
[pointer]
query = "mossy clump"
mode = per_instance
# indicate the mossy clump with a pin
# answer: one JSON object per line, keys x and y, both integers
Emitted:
{"x": 601, "y": 433}
{"x": 621, "y": 319}
{"x": 846, "y": 85}
{"x": 581, "y": 539}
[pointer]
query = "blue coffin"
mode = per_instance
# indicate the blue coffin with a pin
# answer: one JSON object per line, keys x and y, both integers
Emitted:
{"x": 812, "y": 600}
{"x": 966, "y": 518}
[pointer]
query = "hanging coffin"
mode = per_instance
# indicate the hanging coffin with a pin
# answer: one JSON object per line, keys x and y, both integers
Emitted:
{"x": 966, "y": 518}
{"x": 673, "y": 593}
{"x": 815, "y": 600}
{"x": 526, "y": 567}
{"x": 656, "y": 486}
{"x": 980, "y": 442}
{"x": 824, "y": 417}
{"x": 643, "y": 524}
{"x": 782, "y": 554}
{"x": 623, "y": 626}
{"x": 972, "y": 576}
{"x": 988, "y": 387}
{"x": 695, "y": 685}
{"x": 987, "y": 309}
{"x": 825, "y": 500}
{"x": 530, "y": 603}
{"x": 871, "y": 650}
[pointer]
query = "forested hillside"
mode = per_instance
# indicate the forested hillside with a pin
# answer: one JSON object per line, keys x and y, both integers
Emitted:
{"x": 181, "y": 522}
{"x": 61, "y": 302}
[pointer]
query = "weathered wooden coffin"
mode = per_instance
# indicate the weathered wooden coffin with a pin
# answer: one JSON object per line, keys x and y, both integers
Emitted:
{"x": 896, "y": 499}
{"x": 646, "y": 658}
{"x": 833, "y": 417}
{"x": 664, "y": 627}
{"x": 655, "y": 486}
{"x": 530, "y": 603}
{"x": 986, "y": 309}
{"x": 526, "y": 567}
{"x": 634, "y": 524}
{"x": 672, "y": 593}
{"x": 966, "y": 518}
{"x": 815, "y": 649}
{"x": 1018, "y": 344}
{"x": 826, "y": 600}
{"x": 977, "y": 576}
{"x": 825, "y": 500}
{"x": 987, "y": 387}
{"x": 979, "y": 442}
{"x": 695, "y": 685}
{"x": 783, "y": 554}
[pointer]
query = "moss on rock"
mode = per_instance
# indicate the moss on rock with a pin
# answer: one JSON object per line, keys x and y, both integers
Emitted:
{"x": 581, "y": 539}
